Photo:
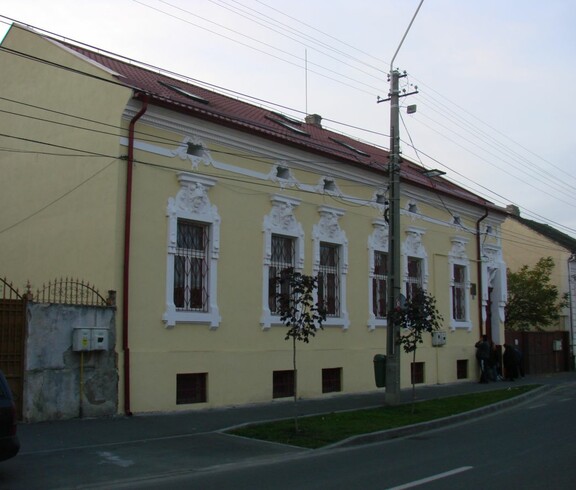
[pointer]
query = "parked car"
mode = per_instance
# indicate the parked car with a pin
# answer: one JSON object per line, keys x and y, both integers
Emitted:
{"x": 9, "y": 443}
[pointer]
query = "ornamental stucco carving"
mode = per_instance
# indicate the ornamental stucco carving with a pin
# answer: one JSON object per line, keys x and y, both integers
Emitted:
{"x": 281, "y": 220}
{"x": 379, "y": 237}
{"x": 201, "y": 155}
{"x": 328, "y": 226}
{"x": 413, "y": 244}
{"x": 193, "y": 198}
{"x": 458, "y": 250}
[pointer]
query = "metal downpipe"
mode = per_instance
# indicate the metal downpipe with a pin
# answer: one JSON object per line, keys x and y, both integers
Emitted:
{"x": 127, "y": 236}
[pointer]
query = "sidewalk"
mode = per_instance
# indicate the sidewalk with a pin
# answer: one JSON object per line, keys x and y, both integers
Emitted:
{"x": 78, "y": 433}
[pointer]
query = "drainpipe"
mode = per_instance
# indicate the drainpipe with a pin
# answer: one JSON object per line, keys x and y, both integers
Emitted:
{"x": 479, "y": 271}
{"x": 571, "y": 287}
{"x": 126, "y": 274}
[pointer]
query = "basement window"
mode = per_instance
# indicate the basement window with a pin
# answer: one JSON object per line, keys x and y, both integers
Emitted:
{"x": 462, "y": 369}
{"x": 191, "y": 388}
{"x": 331, "y": 380}
{"x": 350, "y": 147}
{"x": 417, "y": 372}
{"x": 282, "y": 384}
{"x": 185, "y": 93}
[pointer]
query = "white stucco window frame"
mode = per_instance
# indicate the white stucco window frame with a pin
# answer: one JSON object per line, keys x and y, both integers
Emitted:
{"x": 458, "y": 256}
{"x": 192, "y": 203}
{"x": 377, "y": 242}
{"x": 413, "y": 247}
{"x": 328, "y": 230}
{"x": 279, "y": 221}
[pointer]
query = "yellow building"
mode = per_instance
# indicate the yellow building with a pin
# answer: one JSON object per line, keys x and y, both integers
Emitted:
{"x": 526, "y": 241}
{"x": 186, "y": 201}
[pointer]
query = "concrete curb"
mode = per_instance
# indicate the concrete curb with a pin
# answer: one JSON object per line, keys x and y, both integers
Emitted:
{"x": 408, "y": 430}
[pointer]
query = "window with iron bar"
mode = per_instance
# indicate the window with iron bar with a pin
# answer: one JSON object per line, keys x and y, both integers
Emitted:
{"x": 329, "y": 279}
{"x": 191, "y": 266}
{"x": 459, "y": 293}
{"x": 414, "y": 281}
{"x": 379, "y": 303}
{"x": 282, "y": 257}
{"x": 191, "y": 388}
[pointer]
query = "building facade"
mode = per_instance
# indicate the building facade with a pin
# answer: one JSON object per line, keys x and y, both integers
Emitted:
{"x": 525, "y": 242}
{"x": 187, "y": 202}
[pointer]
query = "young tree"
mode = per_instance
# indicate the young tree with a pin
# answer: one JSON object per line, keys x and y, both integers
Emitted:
{"x": 418, "y": 316}
{"x": 299, "y": 313}
{"x": 532, "y": 300}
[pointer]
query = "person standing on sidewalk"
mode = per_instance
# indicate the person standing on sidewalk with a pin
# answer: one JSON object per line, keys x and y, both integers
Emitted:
{"x": 483, "y": 356}
{"x": 510, "y": 363}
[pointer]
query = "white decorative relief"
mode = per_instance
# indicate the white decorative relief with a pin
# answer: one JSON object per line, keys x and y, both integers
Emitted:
{"x": 377, "y": 242}
{"x": 192, "y": 203}
{"x": 193, "y": 149}
{"x": 459, "y": 256}
{"x": 281, "y": 220}
{"x": 414, "y": 247}
{"x": 328, "y": 230}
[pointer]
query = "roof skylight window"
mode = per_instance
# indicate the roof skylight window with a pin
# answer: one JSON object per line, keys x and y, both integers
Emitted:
{"x": 184, "y": 92}
{"x": 289, "y": 119}
{"x": 350, "y": 147}
{"x": 286, "y": 125}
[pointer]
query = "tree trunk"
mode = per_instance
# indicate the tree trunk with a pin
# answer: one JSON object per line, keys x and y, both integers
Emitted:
{"x": 296, "y": 427}
{"x": 412, "y": 370}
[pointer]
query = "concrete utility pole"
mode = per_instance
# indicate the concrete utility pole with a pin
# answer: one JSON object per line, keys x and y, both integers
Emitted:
{"x": 394, "y": 279}
{"x": 394, "y": 295}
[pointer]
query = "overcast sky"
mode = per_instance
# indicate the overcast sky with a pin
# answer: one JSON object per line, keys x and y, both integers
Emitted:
{"x": 496, "y": 78}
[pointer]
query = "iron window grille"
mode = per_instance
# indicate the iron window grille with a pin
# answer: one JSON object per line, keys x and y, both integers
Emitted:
{"x": 459, "y": 293}
{"x": 379, "y": 280}
{"x": 191, "y": 388}
{"x": 414, "y": 280}
{"x": 329, "y": 279}
{"x": 191, "y": 266}
{"x": 282, "y": 257}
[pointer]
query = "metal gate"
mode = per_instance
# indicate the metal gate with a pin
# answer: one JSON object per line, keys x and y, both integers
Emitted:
{"x": 543, "y": 352}
{"x": 12, "y": 339}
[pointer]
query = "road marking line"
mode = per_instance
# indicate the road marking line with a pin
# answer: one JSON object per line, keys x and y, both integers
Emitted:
{"x": 112, "y": 458}
{"x": 432, "y": 478}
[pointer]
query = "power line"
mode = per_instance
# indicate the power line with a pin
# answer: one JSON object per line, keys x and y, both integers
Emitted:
{"x": 472, "y": 181}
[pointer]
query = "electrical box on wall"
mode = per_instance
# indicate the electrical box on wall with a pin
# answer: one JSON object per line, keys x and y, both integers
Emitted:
{"x": 438, "y": 339}
{"x": 89, "y": 339}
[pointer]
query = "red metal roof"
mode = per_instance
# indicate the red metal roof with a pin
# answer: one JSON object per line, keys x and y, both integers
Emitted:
{"x": 243, "y": 116}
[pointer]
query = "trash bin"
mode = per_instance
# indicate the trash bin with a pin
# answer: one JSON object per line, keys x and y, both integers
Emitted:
{"x": 380, "y": 370}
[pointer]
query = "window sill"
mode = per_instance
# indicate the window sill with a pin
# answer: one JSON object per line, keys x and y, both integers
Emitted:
{"x": 460, "y": 325}
{"x": 171, "y": 318}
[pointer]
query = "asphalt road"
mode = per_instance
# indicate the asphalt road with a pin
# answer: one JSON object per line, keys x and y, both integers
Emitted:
{"x": 527, "y": 446}
{"x": 531, "y": 446}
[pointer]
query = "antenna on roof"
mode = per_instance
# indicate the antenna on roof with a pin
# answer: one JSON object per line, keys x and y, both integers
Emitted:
{"x": 306, "y": 81}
